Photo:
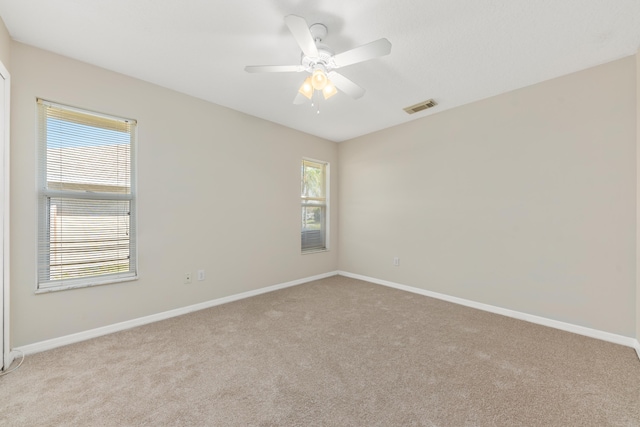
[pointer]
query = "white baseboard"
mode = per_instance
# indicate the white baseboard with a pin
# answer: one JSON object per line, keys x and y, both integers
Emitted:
{"x": 97, "y": 332}
{"x": 569, "y": 327}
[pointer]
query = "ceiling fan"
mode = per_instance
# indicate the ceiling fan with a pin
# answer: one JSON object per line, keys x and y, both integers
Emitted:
{"x": 320, "y": 62}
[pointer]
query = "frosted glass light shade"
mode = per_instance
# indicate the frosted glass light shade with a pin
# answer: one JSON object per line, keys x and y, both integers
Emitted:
{"x": 319, "y": 79}
{"x": 329, "y": 90}
{"x": 307, "y": 88}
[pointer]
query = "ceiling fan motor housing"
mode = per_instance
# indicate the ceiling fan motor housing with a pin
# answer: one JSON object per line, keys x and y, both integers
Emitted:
{"x": 324, "y": 58}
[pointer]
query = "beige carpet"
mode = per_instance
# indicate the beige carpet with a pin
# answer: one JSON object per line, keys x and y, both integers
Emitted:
{"x": 335, "y": 352}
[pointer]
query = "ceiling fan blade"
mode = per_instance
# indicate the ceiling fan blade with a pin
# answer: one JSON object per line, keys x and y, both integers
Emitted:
{"x": 300, "y": 31}
{"x": 346, "y": 85}
{"x": 375, "y": 49}
{"x": 273, "y": 68}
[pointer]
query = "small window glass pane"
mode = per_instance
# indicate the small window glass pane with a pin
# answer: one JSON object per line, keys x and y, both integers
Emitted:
{"x": 88, "y": 238}
{"x": 314, "y": 205}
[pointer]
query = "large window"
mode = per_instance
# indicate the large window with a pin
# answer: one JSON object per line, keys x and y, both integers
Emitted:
{"x": 86, "y": 208}
{"x": 315, "y": 198}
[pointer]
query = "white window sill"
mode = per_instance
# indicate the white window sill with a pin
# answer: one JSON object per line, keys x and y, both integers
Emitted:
{"x": 314, "y": 251}
{"x": 85, "y": 284}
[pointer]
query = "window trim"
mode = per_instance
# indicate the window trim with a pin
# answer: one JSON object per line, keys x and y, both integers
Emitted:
{"x": 327, "y": 223}
{"x": 43, "y": 191}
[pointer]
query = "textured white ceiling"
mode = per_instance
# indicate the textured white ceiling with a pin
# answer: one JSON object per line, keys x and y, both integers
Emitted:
{"x": 455, "y": 51}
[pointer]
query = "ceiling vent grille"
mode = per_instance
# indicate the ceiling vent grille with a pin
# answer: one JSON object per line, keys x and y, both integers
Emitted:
{"x": 421, "y": 106}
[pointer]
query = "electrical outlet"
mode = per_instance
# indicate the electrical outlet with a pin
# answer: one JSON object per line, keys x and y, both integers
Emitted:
{"x": 200, "y": 274}
{"x": 187, "y": 278}
{"x": 396, "y": 261}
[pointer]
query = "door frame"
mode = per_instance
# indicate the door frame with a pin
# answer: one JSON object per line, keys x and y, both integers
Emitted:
{"x": 7, "y": 355}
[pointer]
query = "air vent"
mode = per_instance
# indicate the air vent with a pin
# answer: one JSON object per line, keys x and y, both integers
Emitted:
{"x": 421, "y": 106}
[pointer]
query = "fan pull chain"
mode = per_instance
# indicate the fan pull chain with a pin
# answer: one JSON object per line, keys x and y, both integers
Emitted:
{"x": 313, "y": 103}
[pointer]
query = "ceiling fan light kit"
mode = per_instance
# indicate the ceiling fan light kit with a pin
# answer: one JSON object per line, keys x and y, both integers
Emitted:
{"x": 320, "y": 62}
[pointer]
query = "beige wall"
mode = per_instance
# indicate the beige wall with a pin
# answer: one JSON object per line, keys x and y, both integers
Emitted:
{"x": 526, "y": 200}
{"x": 218, "y": 190}
{"x": 5, "y": 46}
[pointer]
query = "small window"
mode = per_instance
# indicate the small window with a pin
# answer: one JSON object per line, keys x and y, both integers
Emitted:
{"x": 86, "y": 207}
{"x": 315, "y": 200}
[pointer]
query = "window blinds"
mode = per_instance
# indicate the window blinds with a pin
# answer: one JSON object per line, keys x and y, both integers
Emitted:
{"x": 86, "y": 203}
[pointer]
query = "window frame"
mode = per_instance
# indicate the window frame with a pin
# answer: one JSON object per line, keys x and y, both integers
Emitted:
{"x": 327, "y": 205}
{"x": 44, "y": 194}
